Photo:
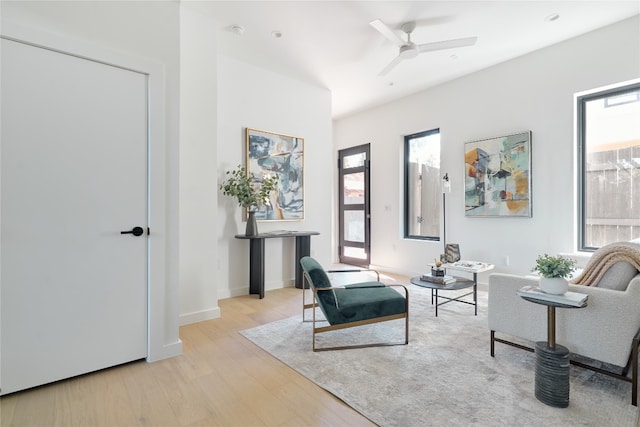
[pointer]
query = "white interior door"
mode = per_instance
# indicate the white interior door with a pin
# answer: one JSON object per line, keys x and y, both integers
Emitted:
{"x": 73, "y": 155}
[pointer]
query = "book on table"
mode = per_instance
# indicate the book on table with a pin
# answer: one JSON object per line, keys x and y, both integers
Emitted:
{"x": 470, "y": 265}
{"x": 575, "y": 299}
{"x": 441, "y": 280}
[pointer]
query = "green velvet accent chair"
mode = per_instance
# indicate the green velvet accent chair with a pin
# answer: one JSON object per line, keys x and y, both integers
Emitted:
{"x": 352, "y": 305}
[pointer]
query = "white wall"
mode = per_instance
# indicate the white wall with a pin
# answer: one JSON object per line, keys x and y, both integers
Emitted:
{"x": 148, "y": 31}
{"x": 198, "y": 174}
{"x": 533, "y": 92}
{"x": 252, "y": 97}
{"x": 207, "y": 106}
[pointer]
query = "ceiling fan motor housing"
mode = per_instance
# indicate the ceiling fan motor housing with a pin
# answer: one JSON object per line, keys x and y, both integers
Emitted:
{"x": 409, "y": 50}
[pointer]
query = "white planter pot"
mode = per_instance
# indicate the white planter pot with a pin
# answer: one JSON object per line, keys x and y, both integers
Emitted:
{"x": 554, "y": 285}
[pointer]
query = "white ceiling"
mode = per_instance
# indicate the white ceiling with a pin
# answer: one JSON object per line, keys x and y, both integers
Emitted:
{"x": 331, "y": 44}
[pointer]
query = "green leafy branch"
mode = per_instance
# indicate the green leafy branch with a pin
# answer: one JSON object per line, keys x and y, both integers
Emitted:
{"x": 250, "y": 193}
{"x": 550, "y": 266}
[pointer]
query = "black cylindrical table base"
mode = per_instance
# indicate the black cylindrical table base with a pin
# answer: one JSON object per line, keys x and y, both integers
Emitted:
{"x": 552, "y": 375}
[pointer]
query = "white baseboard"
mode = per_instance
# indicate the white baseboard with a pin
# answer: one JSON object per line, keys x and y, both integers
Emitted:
{"x": 167, "y": 351}
{"x": 244, "y": 290}
{"x": 199, "y": 316}
{"x": 385, "y": 269}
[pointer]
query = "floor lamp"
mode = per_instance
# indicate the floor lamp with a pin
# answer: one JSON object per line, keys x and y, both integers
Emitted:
{"x": 446, "y": 188}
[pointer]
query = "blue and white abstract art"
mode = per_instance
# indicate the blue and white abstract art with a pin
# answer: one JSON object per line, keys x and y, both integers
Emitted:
{"x": 271, "y": 153}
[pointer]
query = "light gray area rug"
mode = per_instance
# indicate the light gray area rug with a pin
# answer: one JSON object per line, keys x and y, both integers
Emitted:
{"x": 445, "y": 376}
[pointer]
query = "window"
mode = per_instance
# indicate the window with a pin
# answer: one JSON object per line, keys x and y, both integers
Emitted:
{"x": 608, "y": 166}
{"x": 422, "y": 184}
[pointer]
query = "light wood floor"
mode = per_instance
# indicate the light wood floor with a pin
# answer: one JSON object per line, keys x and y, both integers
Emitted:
{"x": 221, "y": 379}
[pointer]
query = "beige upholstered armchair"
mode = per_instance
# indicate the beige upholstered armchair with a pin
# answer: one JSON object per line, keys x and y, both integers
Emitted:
{"x": 607, "y": 330}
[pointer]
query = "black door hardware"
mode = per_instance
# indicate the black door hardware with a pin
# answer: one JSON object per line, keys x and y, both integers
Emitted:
{"x": 136, "y": 231}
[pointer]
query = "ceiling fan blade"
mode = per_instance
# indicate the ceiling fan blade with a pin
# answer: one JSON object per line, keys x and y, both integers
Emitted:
{"x": 387, "y": 32}
{"x": 390, "y": 66}
{"x": 447, "y": 44}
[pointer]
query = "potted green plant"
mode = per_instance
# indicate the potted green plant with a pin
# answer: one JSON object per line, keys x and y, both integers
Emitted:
{"x": 554, "y": 271}
{"x": 250, "y": 193}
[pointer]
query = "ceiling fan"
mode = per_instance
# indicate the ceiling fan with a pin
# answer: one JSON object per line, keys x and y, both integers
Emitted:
{"x": 409, "y": 49}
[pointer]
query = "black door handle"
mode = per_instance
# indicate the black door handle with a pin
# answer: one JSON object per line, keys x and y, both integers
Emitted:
{"x": 136, "y": 231}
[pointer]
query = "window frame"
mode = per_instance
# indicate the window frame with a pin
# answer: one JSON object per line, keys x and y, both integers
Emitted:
{"x": 581, "y": 102}
{"x": 407, "y": 140}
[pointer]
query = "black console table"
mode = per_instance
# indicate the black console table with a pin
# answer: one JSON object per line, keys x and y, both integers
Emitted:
{"x": 256, "y": 256}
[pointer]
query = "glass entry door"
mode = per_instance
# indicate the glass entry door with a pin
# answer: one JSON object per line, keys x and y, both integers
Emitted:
{"x": 354, "y": 206}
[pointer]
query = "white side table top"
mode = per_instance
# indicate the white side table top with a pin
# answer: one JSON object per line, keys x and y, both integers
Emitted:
{"x": 469, "y": 266}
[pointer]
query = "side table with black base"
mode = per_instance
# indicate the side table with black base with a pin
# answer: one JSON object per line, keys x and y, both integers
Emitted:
{"x": 552, "y": 361}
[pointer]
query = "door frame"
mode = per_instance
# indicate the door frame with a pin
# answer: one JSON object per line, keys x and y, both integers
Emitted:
{"x": 366, "y": 206}
{"x": 162, "y": 320}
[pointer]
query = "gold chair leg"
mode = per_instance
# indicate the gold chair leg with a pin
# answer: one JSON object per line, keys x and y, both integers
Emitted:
{"x": 316, "y": 330}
